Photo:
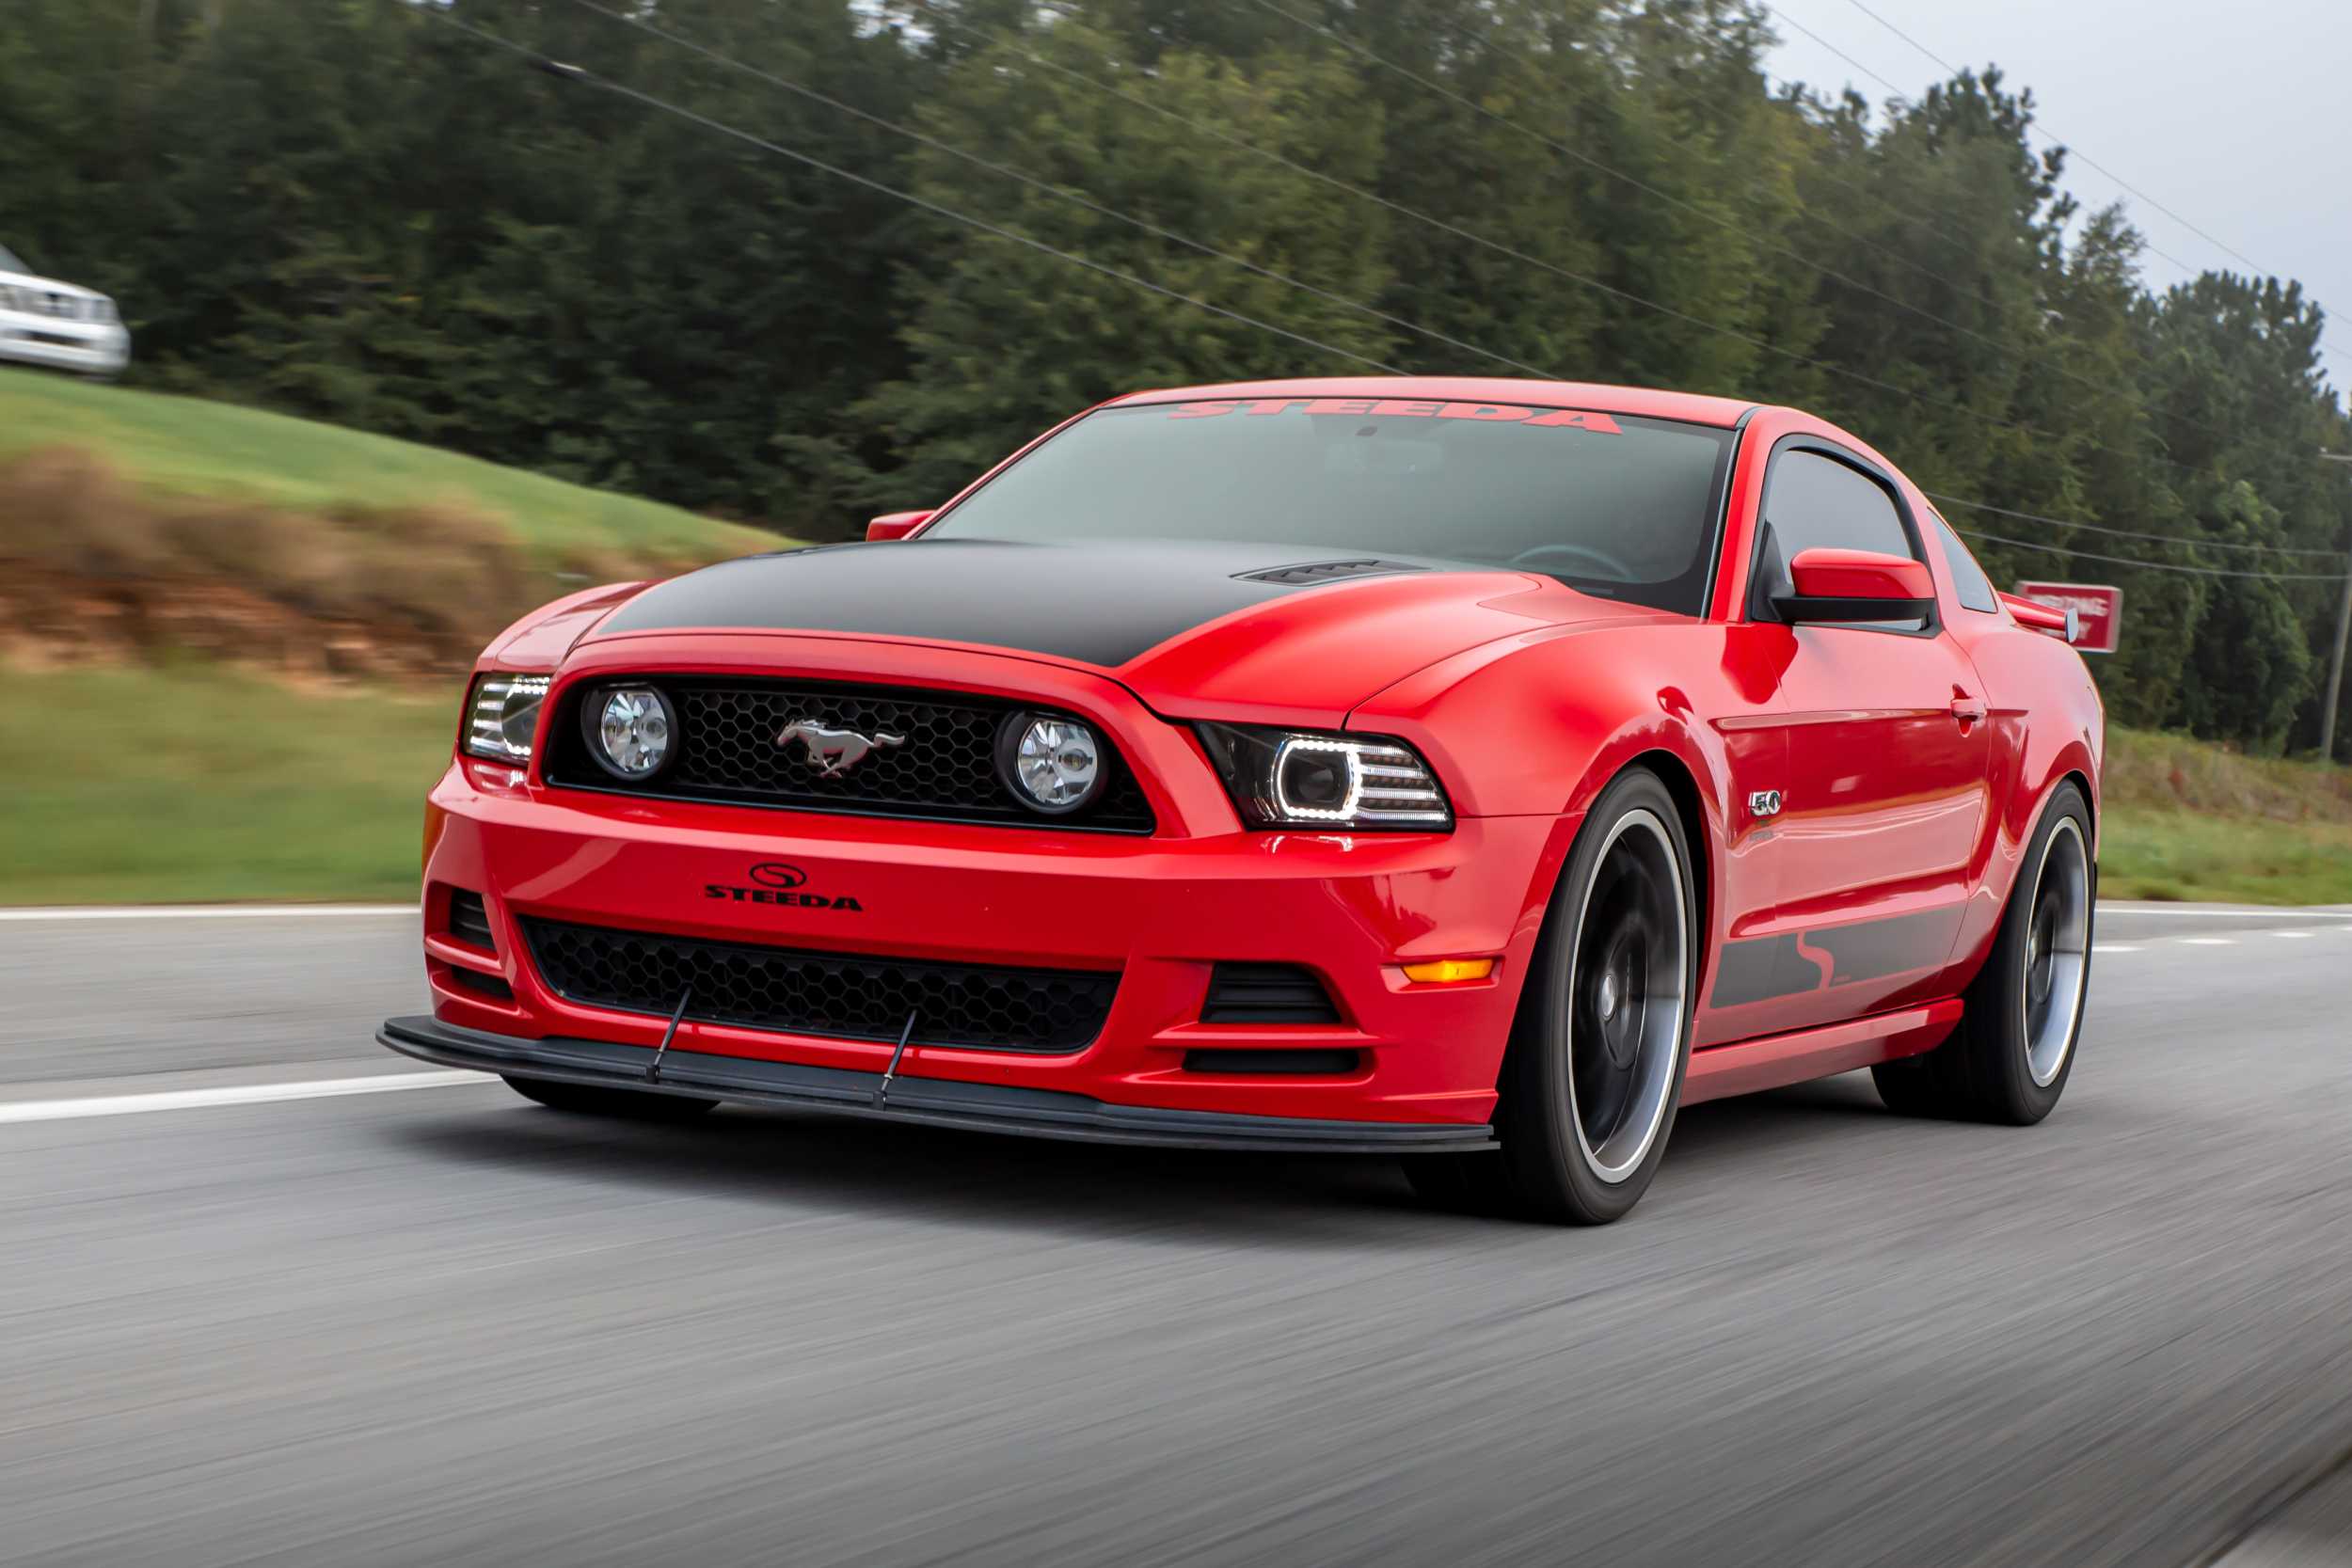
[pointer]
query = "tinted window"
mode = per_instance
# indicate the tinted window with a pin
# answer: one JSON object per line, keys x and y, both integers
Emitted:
{"x": 1819, "y": 502}
{"x": 1616, "y": 506}
{"x": 1976, "y": 589}
{"x": 1812, "y": 501}
{"x": 10, "y": 262}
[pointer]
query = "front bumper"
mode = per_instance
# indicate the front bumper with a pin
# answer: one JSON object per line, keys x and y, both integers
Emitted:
{"x": 87, "y": 348}
{"x": 973, "y": 1107}
{"x": 1160, "y": 911}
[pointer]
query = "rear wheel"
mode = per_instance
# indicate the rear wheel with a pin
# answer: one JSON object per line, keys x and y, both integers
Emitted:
{"x": 2009, "y": 1058}
{"x": 595, "y": 1100}
{"x": 1594, "y": 1073}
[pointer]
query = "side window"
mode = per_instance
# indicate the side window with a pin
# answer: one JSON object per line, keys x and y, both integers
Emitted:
{"x": 1813, "y": 501}
{"x": 1976, "y": 589}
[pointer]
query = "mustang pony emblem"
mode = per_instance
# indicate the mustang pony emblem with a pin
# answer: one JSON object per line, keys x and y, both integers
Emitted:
{"x": 833, "y": 753}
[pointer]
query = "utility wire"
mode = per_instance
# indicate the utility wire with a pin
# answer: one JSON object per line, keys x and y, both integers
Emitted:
{"x": 2051, "y": 136}
{"x": 1059, "y": 192}
{"x": 1728, "y": 122}
{"x": 578, "y": 74}
{"x": 1728, "y": 225}
{"x": 1003, "y": 41}
{"x": 2185, "y": 540}
{"x": 2150, "y": 565}
{"x": 1826, "y": 365}
{"x": 588, "y": 78}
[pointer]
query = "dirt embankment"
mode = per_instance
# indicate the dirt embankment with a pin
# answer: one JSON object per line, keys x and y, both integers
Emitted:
{"x": 93, "y": 569}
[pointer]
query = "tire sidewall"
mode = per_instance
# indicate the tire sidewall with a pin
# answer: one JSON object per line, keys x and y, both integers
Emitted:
{"x": 1549, "y": 1166}
{"x": 2002, "y": 985}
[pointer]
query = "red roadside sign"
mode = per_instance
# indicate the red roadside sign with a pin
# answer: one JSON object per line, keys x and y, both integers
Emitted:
{"x": 2098, "y": 609}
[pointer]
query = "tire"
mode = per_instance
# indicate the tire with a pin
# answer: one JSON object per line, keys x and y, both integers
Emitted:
{"x": 594, "y": 1100}
{"x": 1593, "y": 1075}
{"x": 2022, "y": 1016}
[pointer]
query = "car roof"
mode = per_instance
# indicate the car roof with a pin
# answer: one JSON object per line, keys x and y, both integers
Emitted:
{"x": 1640, "y": 401}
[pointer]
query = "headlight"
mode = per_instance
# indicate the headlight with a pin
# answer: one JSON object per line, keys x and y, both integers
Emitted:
{"x": 1052, "y": 764}
{"x": 629, "y": 730}
{"x": 503, "y": 716}
{"x": 1308, "y": 779}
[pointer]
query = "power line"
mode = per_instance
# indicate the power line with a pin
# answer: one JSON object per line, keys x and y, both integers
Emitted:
{"x": 577, "y": 73}
{"x": 2185, "y": 541}
{"x": 588, "y": 78}
{"x": 2150, "y": 565}
{"x": 2050, "y": 134}
{"x": 1647, "y": 189}
{"x": 1793, "y": 356}
{"x": 1059, "y": 192}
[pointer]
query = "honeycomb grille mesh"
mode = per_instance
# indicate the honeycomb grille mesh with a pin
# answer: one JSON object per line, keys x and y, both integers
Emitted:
{"x": 942, "y": 766}
{"x": 839, "y": 995}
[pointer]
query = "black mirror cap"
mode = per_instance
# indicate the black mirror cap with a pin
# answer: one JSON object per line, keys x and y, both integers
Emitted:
{"x": 1798, "y": 609}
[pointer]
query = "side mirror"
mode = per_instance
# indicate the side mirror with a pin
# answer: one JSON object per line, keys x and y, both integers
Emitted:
{"x": 896, "y": 524}
{"x": 1834, "y": 587}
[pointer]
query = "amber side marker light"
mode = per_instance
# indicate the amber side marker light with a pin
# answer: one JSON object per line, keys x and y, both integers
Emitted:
{"x": 1449, "y": 972}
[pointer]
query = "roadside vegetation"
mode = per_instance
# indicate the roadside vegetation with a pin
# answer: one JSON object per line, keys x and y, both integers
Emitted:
{"x": 141, "y": 526}
{"x": 2190, "y": 820}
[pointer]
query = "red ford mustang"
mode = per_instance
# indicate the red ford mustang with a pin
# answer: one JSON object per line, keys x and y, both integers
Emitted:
{"x": 1469, "y": 770}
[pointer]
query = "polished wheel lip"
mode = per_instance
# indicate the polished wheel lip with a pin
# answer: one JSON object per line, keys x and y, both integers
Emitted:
{"x": 2057, "y": 935}
{"x": 1623, "y": 1150}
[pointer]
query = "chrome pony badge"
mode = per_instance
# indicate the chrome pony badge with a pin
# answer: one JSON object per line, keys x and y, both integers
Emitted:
{"x": 831, "y": 752}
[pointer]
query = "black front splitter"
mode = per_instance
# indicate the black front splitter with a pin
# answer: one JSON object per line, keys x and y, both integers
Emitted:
{"x": 934, "y": 1102}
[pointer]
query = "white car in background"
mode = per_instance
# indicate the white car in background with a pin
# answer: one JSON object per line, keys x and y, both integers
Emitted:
{"x": 60, "y": 325}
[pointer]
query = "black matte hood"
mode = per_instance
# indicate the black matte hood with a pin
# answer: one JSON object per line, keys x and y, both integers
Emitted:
{"x": 1096, "y": 602}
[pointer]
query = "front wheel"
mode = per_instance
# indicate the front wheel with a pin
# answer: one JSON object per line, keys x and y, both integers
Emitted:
{"x": 1594, "y": 1073}
{"x": 2010, "y": 1056}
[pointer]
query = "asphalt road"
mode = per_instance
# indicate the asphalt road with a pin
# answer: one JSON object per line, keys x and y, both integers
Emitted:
{"x": 444, "y": 1326}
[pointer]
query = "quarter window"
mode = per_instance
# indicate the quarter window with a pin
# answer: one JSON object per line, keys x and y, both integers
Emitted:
{"x": 1976, "y": 589}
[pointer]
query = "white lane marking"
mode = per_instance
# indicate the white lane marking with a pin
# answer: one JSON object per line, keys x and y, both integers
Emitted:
{"x": 2115, "y": 947}
{"x": 2208, "y": 942}
{"x": 2292, "y": 936}
{"x": 238, "y": 1094}
{"x": 2282, "y": 911}
{"x": 215, "y": 912}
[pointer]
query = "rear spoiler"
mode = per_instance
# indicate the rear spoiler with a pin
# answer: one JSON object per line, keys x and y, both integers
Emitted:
{"x": 2062, "y": 624}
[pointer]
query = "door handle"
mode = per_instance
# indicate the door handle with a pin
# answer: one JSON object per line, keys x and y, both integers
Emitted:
{"x": 1966, "y": 708}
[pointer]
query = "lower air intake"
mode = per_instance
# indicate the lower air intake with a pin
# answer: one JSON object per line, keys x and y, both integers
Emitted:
{"x": 839, "y": 995}
{"x": 1266, "y": 994}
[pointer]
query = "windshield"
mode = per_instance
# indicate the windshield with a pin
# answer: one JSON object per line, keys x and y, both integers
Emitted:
{"x": 1615, "y": 505}
{"x": 9, "y": 261}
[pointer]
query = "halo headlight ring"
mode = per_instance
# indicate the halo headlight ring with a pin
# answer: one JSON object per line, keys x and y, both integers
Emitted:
{"x": 1051, "y": 762}
{"x": 631, "y": 730}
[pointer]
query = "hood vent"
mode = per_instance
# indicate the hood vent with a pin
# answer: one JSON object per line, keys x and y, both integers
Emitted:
{"x": 1312, "y": 572}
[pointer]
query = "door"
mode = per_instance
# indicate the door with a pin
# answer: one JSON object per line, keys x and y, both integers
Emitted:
{"x": 1874, "y": 844}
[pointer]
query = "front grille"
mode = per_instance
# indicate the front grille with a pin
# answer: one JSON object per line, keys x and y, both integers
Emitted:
{"x": 944, "y": 766}
{"x": 1266, "y": 994}
{"x": 843, "y": 996}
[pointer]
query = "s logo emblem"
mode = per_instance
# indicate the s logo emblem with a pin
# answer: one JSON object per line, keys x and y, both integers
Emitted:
{"x": 777, "y": 874}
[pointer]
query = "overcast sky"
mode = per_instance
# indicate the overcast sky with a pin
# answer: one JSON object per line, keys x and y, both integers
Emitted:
{"x": 2235, "y": 116}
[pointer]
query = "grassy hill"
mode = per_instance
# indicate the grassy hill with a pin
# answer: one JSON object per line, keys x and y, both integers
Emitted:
{"x": 187, "y": 448}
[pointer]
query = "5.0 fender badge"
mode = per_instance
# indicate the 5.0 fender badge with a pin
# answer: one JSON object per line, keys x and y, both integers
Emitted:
{"x": 1764, "y": 802}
